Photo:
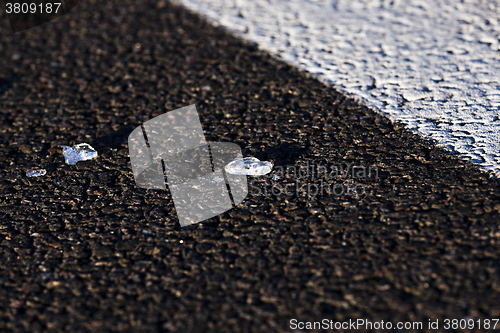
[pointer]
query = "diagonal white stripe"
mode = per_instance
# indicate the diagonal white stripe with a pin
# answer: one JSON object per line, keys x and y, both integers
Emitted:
{"x": 434, "y": 65}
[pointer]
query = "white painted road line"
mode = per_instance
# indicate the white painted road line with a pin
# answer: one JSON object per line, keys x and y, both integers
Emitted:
{"x": 434, "y": 65}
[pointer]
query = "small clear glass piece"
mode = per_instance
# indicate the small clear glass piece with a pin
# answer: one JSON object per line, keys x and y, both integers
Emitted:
{"x": 79, "y": 152}
{"x": 249, "y": 166}
{"x": 36, "y": 173}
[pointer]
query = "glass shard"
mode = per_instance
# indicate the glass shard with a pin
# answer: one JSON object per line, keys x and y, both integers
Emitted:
{"x": 249, "y": 166}
{"x": 79, "y": 152}
{"x": 36, "y": 173}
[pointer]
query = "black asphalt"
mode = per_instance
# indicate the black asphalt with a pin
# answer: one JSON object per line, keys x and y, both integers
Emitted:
{"x": 82, "y": 249}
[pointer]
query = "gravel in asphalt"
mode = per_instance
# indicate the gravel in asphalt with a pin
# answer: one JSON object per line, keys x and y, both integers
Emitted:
{"x": 82, "y": 249}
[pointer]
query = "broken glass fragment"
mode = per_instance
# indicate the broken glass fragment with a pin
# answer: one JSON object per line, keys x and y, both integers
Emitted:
{"x": 79, "y": 152}
{"x": 36, "y": 173}
{"x": 249, "y": 166}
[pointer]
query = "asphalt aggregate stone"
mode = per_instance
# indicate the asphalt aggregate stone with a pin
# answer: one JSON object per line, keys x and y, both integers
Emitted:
{"x": 83, "y": 249}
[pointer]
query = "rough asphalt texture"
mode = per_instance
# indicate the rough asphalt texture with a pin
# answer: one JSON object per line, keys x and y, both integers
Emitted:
{"x": 433, "y": 65}
{"x": 82, "y": 249}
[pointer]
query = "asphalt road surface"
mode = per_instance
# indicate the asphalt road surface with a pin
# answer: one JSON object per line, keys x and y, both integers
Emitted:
{"x": 83, "y": 249}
